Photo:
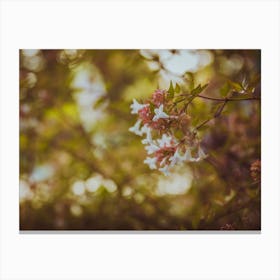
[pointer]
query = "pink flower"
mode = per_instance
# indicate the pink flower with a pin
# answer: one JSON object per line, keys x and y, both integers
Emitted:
{"x": 161, "y": 125}
{"x": 158, "y": 97}
{"x": 145, "y": 115}
{"x": 164, "y": 153}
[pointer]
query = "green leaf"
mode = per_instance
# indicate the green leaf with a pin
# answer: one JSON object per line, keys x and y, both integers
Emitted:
{"x": 198, "y": 89}
{"x": 196, "y": 121}
{"x": 190, "y": 78}
{"x": 152, "y": 106}
{"x": 225, "y": 89}
{"x": 204, "y": 87}
{"x": 236, "y": 86}
{"x": 177, "y": 88}
{"x": 171, "y": 90}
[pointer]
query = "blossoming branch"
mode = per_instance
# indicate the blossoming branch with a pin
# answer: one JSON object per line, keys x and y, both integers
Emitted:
{"x": 168, "y": 138}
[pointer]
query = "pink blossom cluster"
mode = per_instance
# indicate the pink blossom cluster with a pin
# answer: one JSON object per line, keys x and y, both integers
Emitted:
{"x": 159, "y": 121}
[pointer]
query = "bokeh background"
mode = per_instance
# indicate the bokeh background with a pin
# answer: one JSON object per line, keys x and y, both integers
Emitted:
{"x": 81, "y": 169}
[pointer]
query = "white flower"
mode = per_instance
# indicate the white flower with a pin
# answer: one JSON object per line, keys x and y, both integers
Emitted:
{"x": 151, "y": 148}
{"x": 176, "y": 158}
{"x": 201, "y": 153}
{"x": 145, "y": 129}
{"x": 188, "y": 155}
{"x": 136, "y": 128}
{"x": 165, "y": 140}
{"x": 165, "y": 170}
{"x": 151, "y": 162}
{"x": 159, "y": 114}
{"x": 135, "y": 107}
{"x": 148, "y": 139}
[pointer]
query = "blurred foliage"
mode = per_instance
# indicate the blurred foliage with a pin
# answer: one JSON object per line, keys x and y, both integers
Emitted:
{"x": 80, "y": 167}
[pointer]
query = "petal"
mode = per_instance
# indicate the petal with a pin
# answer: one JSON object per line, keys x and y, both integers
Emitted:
{"x": 201, "y": 153}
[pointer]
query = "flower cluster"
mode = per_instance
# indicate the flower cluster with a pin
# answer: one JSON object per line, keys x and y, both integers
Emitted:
{"x": 160, "y": 122}
{"x": 227, "y": 227}
{"x": 256, "y": 170}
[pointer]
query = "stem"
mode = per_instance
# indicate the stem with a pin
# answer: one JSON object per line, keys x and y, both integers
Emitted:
{"x": 216, "y": 115}
{"x": 215, "y": 99}
{"x": 220, "y": 110}
{"x": 202, "y": 124}
{"x": 227, "y": 99}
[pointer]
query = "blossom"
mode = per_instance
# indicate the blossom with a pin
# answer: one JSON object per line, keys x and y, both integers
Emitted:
{"x": 136, "y": 128}
{"x": 176, "y": 158}
{"x": 158, "y": 97}
{"x": 148, "y": 139}
{"x": 227, "y": 227}
{"x": 188, "y": 155}
{"x": 165, "y": 170}
{"x": 256, "y": 170}
{"x": 166, "y": 150}
{"x": 151, "y": 148}
{"x": 164, "y": 153}
{"x": 151, "y": 162}
{"x": 201, "y": 153}
{"x": 145, "y": 129}
{"x": 145, "y": 114}
{"x": 136, "y": 107}
{"x": 160, "y": 124}
{"x": 165, "y": 140}
{"x": 159, "y": 114}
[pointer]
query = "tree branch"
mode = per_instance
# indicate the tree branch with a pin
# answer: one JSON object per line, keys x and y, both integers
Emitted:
{"x": 227, "y": 99}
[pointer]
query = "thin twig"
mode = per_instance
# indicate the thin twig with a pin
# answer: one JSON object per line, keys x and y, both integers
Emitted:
{"x": 227, "y": 99}
{"x": 220, "y": 110}
{"x": 202, "y": 124}
{"x": 216, "y": 115}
